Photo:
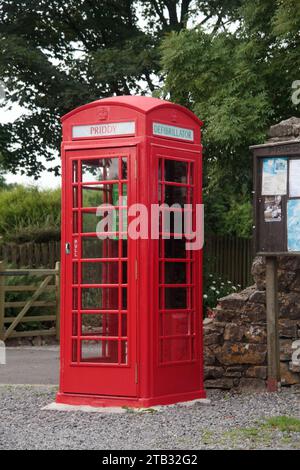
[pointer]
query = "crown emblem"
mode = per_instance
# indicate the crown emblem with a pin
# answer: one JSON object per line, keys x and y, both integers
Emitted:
{"x": 102, "y": 114}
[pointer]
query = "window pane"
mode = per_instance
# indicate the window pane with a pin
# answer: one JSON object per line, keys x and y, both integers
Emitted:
{"x": 101, "y": 324}
{"x": 174, "y": 248}
{"x": 75, "y": 197}
{"x": 175, "y": 324}
{"x": 100, "y": 273}
{"x": 124, "y": 169}
{"x": 75, "y": 172}
{"x": 75, "y": 222}
{"x": 94, "y": 196}
{"x": 124, "y": 298}
{"x": 172, "y": 221}
{"x": 74, "y": 299}
{"x": 103, "y": 169}
{"x": 124, "y": 249}
{"x": 176, "y": 298}
{"x": 175, "y": 273}
{"x": 175, "y": 195}
{"x": 175, "y": 349}
{"x": 124, "y": 273}
{"x": 74, "y": 350}
{"x": 124, "y": 352}
{"x": 90, "y": 221}
{"x": 75, "y": 324}
{"x": 97, "y": 298}
{"x": 124, "y": 325}
{"x": 104, "y": 351}
{"x": 176, "y": 171}
{"x": 93, "y": 247}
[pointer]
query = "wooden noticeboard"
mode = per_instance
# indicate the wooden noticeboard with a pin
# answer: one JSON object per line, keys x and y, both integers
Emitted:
{"x": 277, "y": 198}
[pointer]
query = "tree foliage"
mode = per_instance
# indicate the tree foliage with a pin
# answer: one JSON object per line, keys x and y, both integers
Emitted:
{"x": 239, "y": 82}
{"x": 232, "y": 62}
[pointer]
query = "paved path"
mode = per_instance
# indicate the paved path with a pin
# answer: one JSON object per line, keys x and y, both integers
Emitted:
{"x": 36, "y": 365}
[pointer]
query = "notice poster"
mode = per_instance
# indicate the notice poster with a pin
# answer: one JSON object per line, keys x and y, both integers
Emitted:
{"x": 293, "y": 223}
{"x": 295, "y": 178}
{"x": 273, "y": 211}
{"x": 274, "y": 180}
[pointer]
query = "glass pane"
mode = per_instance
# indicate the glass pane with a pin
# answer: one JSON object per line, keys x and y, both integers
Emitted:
{"x": 100, "y": 273}
{"x": 94, "y": 196}
{"x": 74, "y": 299}
{"x": 74, "y": 324}
{"x": 75, "y": 172}
{"x": 176, "y": 298}
{"x": 124, "y": 352}
{"x": 124, "y": 169}
{"x": 75, "y": 222}
{"x": 124, "y": 249}
{"x": 175, "y": 349}
{"x": 172, "y": 221}
{"x": 102, "y": 351}
{"x": 176, "y": 171}
{"x": 175, "y": 195}
{"x": 175, "y": 324}
{"x": 74, "y": 350}
{"x": 124, "y": 299}
{"x": 174, "y": 248}
{"x": 175, "y": 273}
{"x": 92, "y": 247}
{"x": 75, "y": 197}
{"x": 124, "y": 325}
{"x": 124, "y": 273}
{"x": 75, "y": 273}
{"x": 98, "y": 298}
{"x": 90, "y": 221}
{"x": 101, "y": 324}
{"x": 102, "y": 169}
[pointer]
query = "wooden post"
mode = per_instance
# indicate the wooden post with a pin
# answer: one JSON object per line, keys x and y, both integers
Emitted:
{"x": 57, "y": 293}
{"x": 272, "y": 324}
{"x": 2, "y": 300}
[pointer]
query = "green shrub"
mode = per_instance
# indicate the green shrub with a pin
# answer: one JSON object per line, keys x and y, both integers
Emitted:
{"x": 29, "y": 214}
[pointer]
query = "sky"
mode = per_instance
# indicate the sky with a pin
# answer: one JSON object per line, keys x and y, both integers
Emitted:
{"x": 47, "y": 180}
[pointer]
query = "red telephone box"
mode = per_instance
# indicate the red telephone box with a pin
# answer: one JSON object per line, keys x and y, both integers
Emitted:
{"x": 131, "y": 307}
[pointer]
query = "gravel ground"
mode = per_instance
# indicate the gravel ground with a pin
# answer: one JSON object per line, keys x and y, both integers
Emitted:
{"x": 231, "y": 422}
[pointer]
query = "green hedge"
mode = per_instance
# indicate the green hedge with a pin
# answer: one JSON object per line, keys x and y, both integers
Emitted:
{"x": 29, "y": 214}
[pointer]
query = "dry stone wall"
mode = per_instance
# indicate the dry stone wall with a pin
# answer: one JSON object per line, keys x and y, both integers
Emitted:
{"x": 235, "y": 340}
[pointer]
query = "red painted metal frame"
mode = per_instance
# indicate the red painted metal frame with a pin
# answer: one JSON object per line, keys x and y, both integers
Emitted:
{"x": 146, "y": 380}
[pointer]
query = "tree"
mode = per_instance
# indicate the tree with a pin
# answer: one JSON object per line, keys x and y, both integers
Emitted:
{"x": 239, "y": 82}
{"x": 58, "y": 55}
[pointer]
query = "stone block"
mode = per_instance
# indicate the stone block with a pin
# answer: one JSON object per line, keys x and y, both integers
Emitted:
{"x": 257, "y": 372}
{"x": 223, "y": 383}
{"x": 213, "y": 372}
{"x": 253, "y": 385}
{"x": 288, "y": 377}
{"x": 241, "y": 353}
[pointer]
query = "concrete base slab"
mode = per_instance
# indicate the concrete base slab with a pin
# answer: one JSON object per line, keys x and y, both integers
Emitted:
{"x": 119, "y": 410}
{"x": 200, "y": 401}
{"x": 83, "y": 408}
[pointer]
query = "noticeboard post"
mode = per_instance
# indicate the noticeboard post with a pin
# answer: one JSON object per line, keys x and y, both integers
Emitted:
{"x": 277, "y": 227}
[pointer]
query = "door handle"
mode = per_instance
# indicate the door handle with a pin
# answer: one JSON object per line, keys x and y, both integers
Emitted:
{"x": 68, "y": 248}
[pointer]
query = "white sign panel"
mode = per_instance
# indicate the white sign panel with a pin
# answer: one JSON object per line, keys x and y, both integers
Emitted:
{"x": 165, "y": 130}
{"x": 295, "y": 178}
{"x": 274, "y": 181}
{"x": 104, "y": 130}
